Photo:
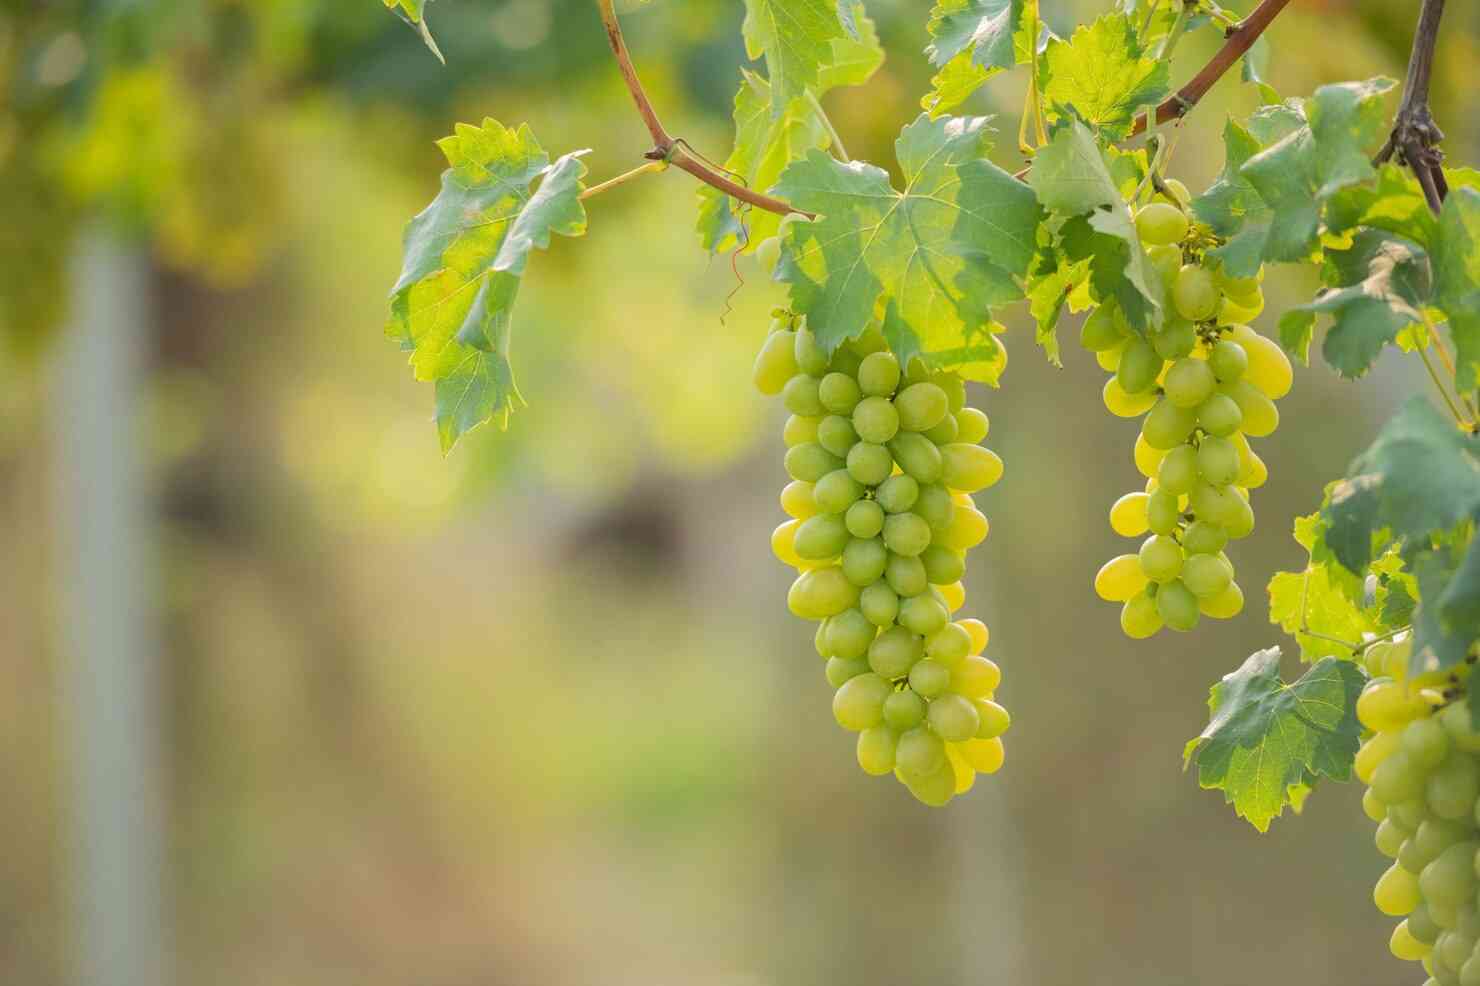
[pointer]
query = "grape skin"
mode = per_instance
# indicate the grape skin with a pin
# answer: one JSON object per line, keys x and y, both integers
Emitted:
{"x": 882, "y": 463}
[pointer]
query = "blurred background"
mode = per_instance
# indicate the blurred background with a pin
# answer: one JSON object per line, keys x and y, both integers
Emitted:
{"x": 286, "y": 697}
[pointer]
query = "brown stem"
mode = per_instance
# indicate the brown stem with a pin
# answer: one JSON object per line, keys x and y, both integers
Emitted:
{"x": 665, "y": 146}
{"x": 1415, "y": 135}
{"x": 1239, "y": 40}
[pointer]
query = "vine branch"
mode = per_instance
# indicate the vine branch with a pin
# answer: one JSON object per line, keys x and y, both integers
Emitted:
{"x": 1239, "y": 40}
{"x": 1415, "y": 135}
{"x": 665, "y": 146}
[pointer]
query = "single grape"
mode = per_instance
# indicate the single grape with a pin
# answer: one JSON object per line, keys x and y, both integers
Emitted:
{"x": 1178, "y": 192}
{"x": 1139, "y": 367}
{"x": 935, "y": 505}
{"x": 898, "y": 494}
{"x": 944, "y": 432}
{"x": 849, "y": 634}
{"x": 821, "y": 538}
{"x": 811, "y": 358}
{"x": 1128, "y": 515}
{"x": 837, "y": 491}
{"x": 1120, "y": 578}
{"x": 905, "y": 575}
{"x": 1166, "y": 425}
{"x": 864, "y": 560}
{"x": 809, "y": 462}
{"x": 949, "y": 645}
{"x": 1178, "y": 473}
{"x": 920, "y": 753}
{"x": 1148, "y": 459}
{"x": 840, "y": 670}
{"x": 1194, "y": 293}
{"x": 1260, "y": 416}
{"x": 879, "y": 603}
{"x": 922, "y": 614}
{"x": 904, "y": 710}
{"x": 1139, "y": 618}
{"x": 1203, "y": 537}
{"x": 878, "y": 374}
{"x": 783, "y": 544}
{"x": 969, "y": 467}
{"x": 864, "y": 519}
{"x": 859, "y": 704}
{"x": 1189, "y": 382}
{"x": 1220, "y": 415}
{"x": 1176, "y": 604}
{"x": 1161, "y": 558}
{"x": 942, "y": 565}
{"x": 876, "y": 750}
{"x": 953, "y": 718}
{"x": 1159, "y": 223}
{"x": 1217, "y": 461}
{"x": 775, "y": 364}
{"x": 984, "y": 755}
{"x": 821, "y": 593}
{"x": 875, "y": 420}
{"x": 1166, "y": 260}
{"x": 975, "y": 677}
{"x": 835, "y": 433}
{"x": 968, "y": 528}
{"x": 870, "y": 464}
{"x": 1224, "y": 606}
{"x": 800, "y": 396}
{"x": 798, "y": 501}
{"x": 1102, "y": 330}
{"x": 971, "y": 426}
{"x": 1228, "y": 360}
{"x": 1175, "y": 339}
{"x": 800, "y": 430}
{"x": 930, "y": 678}
{"x": 1206, "y": 575}
{"x": 919, "y": 457}
{"x": 893, "y": 652}
{"x": 921, "y": 406}
{"x": 1124, "y": 405}
{"x": 1269, "y": 368}
{"x": 1426, "y": 742}
{"x": 954, "y": 387}
{"x": 839, "y": 393}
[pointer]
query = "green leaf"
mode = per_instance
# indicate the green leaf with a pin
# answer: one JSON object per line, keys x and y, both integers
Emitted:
{"x": 1103, "y": 76}
{"x": 973, "y": 40}
{"x": 932, "y": 259}
{"x": 413, "y": 12}
{"x": 1457, "y": 279}
{"x": 1266, "y": 740}
{"x": 796, "y": 39}
{"x": 464, "y": 255}
{"x": 1232, "y": 205}
{"x": 1322, "y": 605}
{"x": 1386, "y": 280}
{"x": 1049, "y": 287}
{"x": 1394, "y": 202}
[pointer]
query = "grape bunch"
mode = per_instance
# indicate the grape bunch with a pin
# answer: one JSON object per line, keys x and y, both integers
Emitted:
{"x": 882, "y": 463}
{"x": 1203, "y": 384}
{"x": 1421, "y": 765}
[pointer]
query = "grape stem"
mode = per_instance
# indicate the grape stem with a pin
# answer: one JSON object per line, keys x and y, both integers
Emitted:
{"x": 1239, "y": 40}
{"x": 1415, "y": 136}
{"x": 839, "y": 151}
{"x": 667, "y": 148}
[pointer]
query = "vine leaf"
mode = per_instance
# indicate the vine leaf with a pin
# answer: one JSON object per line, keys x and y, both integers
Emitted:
{"x": 795, "y": 37}
{"x": 1457, "y": 279}
{"x": 1266, "y": 740}
{"x": 973, "y": 40}
{"x": 929, "y": 260}
{"x": 767, "y": 140}
{"x": 1104, "y": 77}
{"x": 413, "y": 12}
{"x": 1231, "y": 205}
{"x": 464, "y": 256}
{"x": 1323, "y": 599}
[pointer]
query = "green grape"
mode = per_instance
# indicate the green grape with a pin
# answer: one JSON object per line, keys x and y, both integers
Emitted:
{"x": 922, "y": 614}
{"x": 1124, "y": 405}
{"x": 1212, "y": 503}
{"x": 864, "y": 560}
{"x": 1139, "y": 367}
{"x": 971, "y": 426}
{"x": 837, "y": 491}
{"x": 967, "y": 528}
{"x": 879, "y": 603}
{"x": 930, "y": 678}
{"x": 809, "y": 462}
{"x": 840, "y": 670}
{"x": 1178, "y": 473}
{"x": 904, "y": 710}
{"x": 949, "y": 645}
{"x": 1120, "y": 578}
{"x": 1260, "y": 416}
{"x": 1389, "y": 837}
{"x": 1176, "y": 605}
{"x": 1203, "y": 537}
{"x": 1453, "y": 788}
{"x": 798, "y": 501}
{"x": 1194, "y": 293}
{"x": 1101, "y": 330}
{"x": 1166, "y": 425}
{"x": 1433, "y": 836}
{"x": 1224, "y": 606}
{"x": 811, "y": 358}
{"x": 1161, "y": 558}
{"x": 1166, "y": 260}
{"x": 1450, "y": 879}
{"x": 864, "y": 519}
{"x": 993, "y": 720}
{"x": 835, "y": 433}
{"x": 1403, "y": 945}
{"x": 1174, "y": 340}
{"x": 893, "y": 652}
{"x": 849, "y": 635}
{"x": 1139, "y": 618}
{"x": 870, "y": 464}
{"x": 839, "y": 393}
{"x": 969, "y": 468}
{"x": 1189, "y": 382}
{"x": 1217, "y": 461}
{"x": 1162, "y": 514}
{"x": 875, "y": 420}
{"x": 1395, "y": 780}
{"x": 906, "y": 534}
{"x": 821, "y": 538}
{"x": 1228, "y": 360}
{"x": 859, "y": 704}
{"x": 1410, "y": 812}
{"x": 876, "y": 750}
{"x": 800, "y": 430}
{"x": 878, "y": 374}
{"x": 920, "y": 753}
{"x": 775, "y": 364}
{"x": 1426, "y": 742}
{"x": 921, "y": 406}
{"x": 934, "y": 503}
{"x": 801, "y": 398}
{"x": 953, "y": 718}
{"x": 935, "y": 790}
{"x": 1220, "y": 415}
{"x": 906, "y": 575}
{"x": 944, "y": 432}
{"x": 1206, "y": 575}
{"x": 821, "y": 593}
{"x": 942, "y": 565}
{"x": 975, "y": 677}
{"x": 1422, "y": 926}
{"x": 1372, "y": 807}
{"x": 1129, "y": 516}
{"x": 1240, "y": 522}
{"x": 1178, "y": 192}
{"x": 918, "y": 456}
{"x": 1159, "y": 223}
{"x": 846, "y": 361}
{"x": 897, "y": 494}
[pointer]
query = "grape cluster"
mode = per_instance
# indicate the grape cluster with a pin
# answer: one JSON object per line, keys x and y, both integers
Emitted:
{"x": 883, "y": 463}
{"x": 1421, "y": 765}
{"x": 1203, "y": 383}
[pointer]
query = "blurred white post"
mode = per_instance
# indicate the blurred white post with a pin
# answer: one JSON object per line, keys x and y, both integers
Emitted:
{"x": 105, "y": 604}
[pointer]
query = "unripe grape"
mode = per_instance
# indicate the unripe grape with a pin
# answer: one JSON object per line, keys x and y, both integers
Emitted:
{"x": 800, "y": 430}
{"x": 1261, "y": 417}
{"x": 1176, "y": 604}
{"x": 798, "y": 501}
{"x": 875, "y": 751}
{"x": 1453, "y": 788}
{"x": 922, "y": 615}
{"x": 879, "y": 603}
{"x": 849, "y": 634}
{"x": 918, "y": 456}
{"x": 993, "y": 719}
{"x": 1395, "y": 780}
{"x": 905, "y": 575}
{"x": 810, "y": 356}
{"x": 1178, "y": 473}
{"x": 1128, "y": 515}
{"x": 975, "y": 677}
{"x": 821, "y": 538}
{"x": 942, "y": 565}
{"x": 1189, "y": 382}
{"x": 1240, "y": 521}
{"x": 835, "y": 433}
{"x": 953, "y": 718}
{"x": 1450, "y": 879}
{"x": 1217, "y": 461}
{"x": 1139, "y": 618}
{"x": 1224, "y": 606}
{"x": 930, "y": 678}
{"x": 1178, "y": 191}
{"x": 809, "y": 462}
{"x": 893, "y": 652}
{"x": 904, "y": 710}
{"x": 1372, "y": 752}
{"x": 1139, "y": 367}
{"x": 1426, "y": 742}
{"x": 1162, "y": 514}
{"x": 1166, "y": 260}
{"x": 1120, "y": 578}
{"x": 859, "y": 704}
{"x": 864, "y": 560}
{"x": 971, "y": 426}
{"x": 775, "y": 364}
{"x": 944, "y": 432}
{"x": 865, "y": 519}
{"x": 837, "y": 491}
{"x": 821, "y": 593}
{"x": 898, "y": 493}
{"x": 1109, "y": 359}
{"x": 875, "y": 420}
{"x": 1228, "y": 360}
{"x": 1166, "y": 425}
{"x": 1159, "y": 223}
{"x": 1220, "y": 415}
{"x": 950, "y": 645}
{"x": 921, "y": 406}
{"x": 878, "y": 374}
{"x": 870, "y": 464}
{"x": 839, "y": 670}
{"x": 1102, "y": 330}
{"x": 935, "y": 505}
{"x": 1203, "y": 537}
{"x": 1422, "y": 926}
{"x": 1124, "y": 405}
{"x": 1205, "y": 575}
{"x": 1389, "y": 838}
{"x": 969, "y": 467}
{"x": 800, "y": 396}
{"x": 934, "y": 790}
{"x": 1174, "y": 340}
{"x": 1194, "y": 294}
{"x": 920, "y": 753}
{"x": 954, "y": 386}
{"x": 839, "y": 393}
{"x": 1161, "y": 558}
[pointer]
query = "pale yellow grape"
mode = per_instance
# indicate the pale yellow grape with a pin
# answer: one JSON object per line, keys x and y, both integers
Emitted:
{"x": 1269, "y": 367}
{"x": 969, "y": 467}
{"x": 1120, "y": 578}
{"x": 1373, "y": 752}
{"x": 1109, "y": 359}
{"x": 967, "y": 529}
{"x": 972, "y": 426}
{"x": 980, "y": 635}
{"x": 1403, "y": 945}
{"x": 798, "y": 501}
{"x": 1261, "y": 417}
{"x": 955, "y": 594}
{"x": 1396, "y": 892}
{"x": 799, "y": 430}
{"x": 1385, "y": 705}
{"x": 1148, "y": 459}
{"x": 975, "y": 677}
{"x": 1224, "y": 606}
{"x": 963, "y": 772}
{"x": 1124, "y": 405}
{"x": 783, "y": 544}
{"x": 1128, "y": 515}
{"x": 1139, "y": 618}
{"x": 985, "y": 755}
{"x": 992, "y": 719}
{"x": 876, "y": 750}
{"x": 775, "y": 364}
